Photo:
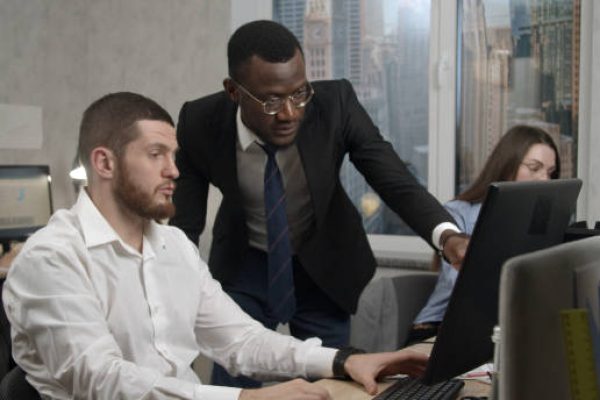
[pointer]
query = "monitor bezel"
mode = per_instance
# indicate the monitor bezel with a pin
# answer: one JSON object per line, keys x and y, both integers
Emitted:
{"x": 8, "y": 171}
{"x": 458, "y": 347}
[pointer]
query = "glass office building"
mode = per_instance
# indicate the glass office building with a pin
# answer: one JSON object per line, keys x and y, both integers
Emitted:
{"x": 517, "y": 62}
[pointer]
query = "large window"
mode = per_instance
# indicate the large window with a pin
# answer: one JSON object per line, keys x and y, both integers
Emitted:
{"x": 519, "y": 64}
{"x": 471, "y": 69}
{"x": 383, "y": 49}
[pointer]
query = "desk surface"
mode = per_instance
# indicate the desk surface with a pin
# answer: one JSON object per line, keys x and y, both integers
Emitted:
{"x": 348, "y": 390}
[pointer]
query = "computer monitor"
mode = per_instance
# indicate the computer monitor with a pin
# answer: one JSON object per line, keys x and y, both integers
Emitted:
{"x": 515, "y": 218}
{"x": 25, "y": 201}
{"x": 534, "y": 289}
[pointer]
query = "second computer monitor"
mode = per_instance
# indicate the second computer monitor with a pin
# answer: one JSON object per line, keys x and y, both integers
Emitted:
{"x": 25, "y": 200}
{"x": 515, "y": 218}
{"x": 537, "y": 338}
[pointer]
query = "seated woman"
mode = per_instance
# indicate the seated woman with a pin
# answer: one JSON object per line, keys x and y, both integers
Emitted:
{"x": 524, "y": 153}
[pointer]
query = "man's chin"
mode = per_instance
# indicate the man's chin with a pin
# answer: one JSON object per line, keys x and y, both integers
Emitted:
{"x": 283, "y": 140}
{"x": 167, "y": 211}
{"x": 159, "y": 212}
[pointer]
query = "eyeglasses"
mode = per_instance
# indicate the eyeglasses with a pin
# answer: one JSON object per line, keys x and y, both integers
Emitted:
{"x": 537, "y": 168}
{"x": 274, "y": 104}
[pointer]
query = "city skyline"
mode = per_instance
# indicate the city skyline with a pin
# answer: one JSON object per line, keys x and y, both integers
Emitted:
{"x": 512, "y": 72}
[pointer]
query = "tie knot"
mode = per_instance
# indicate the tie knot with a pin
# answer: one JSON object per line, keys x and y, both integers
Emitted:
{"x": 269, "y": 149}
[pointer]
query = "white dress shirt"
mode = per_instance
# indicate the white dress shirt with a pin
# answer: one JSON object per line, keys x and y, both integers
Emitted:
{"x": 92, "y": 318}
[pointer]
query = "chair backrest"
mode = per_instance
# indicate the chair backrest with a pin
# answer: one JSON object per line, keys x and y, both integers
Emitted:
{"x": 387, "y": 308}
{"x": 14, "y": 386}
{"x": 534, "y": 289}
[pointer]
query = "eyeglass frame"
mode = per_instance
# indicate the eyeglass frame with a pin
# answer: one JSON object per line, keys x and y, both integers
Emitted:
{"x": 283, "y": 99}
{"x": 533, "y": 164}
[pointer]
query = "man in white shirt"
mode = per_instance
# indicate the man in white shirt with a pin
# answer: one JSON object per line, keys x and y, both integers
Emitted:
{"x": 106, "y": 303}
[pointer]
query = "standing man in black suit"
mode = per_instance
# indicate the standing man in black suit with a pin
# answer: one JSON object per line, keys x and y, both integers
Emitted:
{"x": 271, "y": 121}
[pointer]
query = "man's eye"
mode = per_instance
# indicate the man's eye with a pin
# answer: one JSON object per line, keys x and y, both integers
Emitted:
{"x": 300, "y": 94}
{"x": 274, "y": 101}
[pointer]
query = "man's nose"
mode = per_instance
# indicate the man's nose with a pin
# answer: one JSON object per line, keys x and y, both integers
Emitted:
{"x": 170, "y": 169}
{"x": 288, "y": 111}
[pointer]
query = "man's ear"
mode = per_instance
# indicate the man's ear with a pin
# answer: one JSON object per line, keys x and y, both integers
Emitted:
{"x": 231, "y": 90}
{"x": 103, "y": 162}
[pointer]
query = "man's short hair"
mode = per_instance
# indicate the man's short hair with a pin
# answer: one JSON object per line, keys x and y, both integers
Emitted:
{"x": 268, "y": 40}
{"x": 110, "y": 122}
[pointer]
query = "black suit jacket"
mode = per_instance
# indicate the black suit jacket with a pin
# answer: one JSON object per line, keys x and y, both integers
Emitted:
{"x": 336, "y": 253}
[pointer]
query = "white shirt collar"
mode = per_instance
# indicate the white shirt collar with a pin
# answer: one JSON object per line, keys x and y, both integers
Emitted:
{"x": 95, "y": 228}
{"x": 97, "y": 231}
{"x": 245, "y": 136}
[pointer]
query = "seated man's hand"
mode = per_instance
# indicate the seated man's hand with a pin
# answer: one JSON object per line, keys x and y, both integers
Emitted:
{"x": 366, "y": 368}
{"x": 298, "y": 389}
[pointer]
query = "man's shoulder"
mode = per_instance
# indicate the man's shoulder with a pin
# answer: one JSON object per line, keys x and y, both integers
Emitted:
{"x": 209, "y": 104}
{"x": 63, "y": 227}
{"x": 333, "y": 94}
{"x": 61, "y": 237}
{"x": 211, "y": 113}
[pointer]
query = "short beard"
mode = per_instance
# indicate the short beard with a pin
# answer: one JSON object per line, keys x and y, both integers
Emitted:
{"x": 134, "y": 199}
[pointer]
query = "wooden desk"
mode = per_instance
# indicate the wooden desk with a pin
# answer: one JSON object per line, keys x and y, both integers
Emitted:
{"x": 347, "y": 390}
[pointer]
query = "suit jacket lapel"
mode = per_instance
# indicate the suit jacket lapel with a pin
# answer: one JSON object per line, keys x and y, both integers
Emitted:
{"x": 314, "y": 147}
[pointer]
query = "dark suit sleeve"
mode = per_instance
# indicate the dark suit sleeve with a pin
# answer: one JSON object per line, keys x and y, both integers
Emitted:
{"x": 376, "y": 159}
{"x": 192, "y": 185}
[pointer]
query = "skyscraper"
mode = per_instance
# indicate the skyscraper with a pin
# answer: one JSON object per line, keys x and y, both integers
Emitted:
{"x": 291, "y": 14}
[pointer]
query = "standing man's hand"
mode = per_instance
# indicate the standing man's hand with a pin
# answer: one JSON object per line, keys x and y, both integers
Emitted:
{"x": 454, "y": 246}
{"x": 367, "y": 368}
{"x": 297, "y": 389}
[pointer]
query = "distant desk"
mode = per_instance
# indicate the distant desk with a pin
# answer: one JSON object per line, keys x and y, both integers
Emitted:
{"x": 348, "y": 390}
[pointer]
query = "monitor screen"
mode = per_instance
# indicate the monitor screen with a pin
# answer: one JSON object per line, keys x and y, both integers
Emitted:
{"x": 515, "y": 218}
{"x": 26, "y": 202}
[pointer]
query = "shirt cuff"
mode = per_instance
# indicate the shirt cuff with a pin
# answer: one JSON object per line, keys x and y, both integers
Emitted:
{"x": 437, "y": 232}
{"x": 319, "y": 362}
{"x": 216, "y": 392}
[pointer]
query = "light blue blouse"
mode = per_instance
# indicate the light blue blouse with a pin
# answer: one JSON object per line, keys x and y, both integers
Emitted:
{"x": 465, "y": 214}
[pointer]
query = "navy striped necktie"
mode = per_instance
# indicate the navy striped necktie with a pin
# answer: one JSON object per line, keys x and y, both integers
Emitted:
{"x": 281, "y": 299}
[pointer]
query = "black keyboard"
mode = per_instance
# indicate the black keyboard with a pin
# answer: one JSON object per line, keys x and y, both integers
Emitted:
{"x": 414, "y": 389}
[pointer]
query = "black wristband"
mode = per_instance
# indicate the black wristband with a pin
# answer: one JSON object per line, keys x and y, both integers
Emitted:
{"x": 339, "y": 371}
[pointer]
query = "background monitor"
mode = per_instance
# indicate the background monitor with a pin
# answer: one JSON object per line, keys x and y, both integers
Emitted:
{"x": 515, "y": 218}
{"x": 534, "y": 289}
{"x": 25, "y": 201}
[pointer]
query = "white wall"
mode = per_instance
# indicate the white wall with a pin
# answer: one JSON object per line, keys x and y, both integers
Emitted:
{"x": 61, "y": 55}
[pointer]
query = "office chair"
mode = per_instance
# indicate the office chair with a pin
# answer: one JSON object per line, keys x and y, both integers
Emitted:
{"x": 14, "y": 386}
{"x": 387, "y": 309}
